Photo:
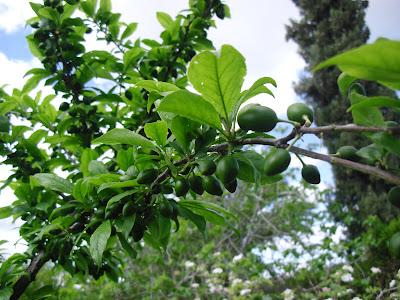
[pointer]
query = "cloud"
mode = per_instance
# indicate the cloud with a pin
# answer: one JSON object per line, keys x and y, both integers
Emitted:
{"x": 13, "y": 71}
{"x": 13, "y": 14}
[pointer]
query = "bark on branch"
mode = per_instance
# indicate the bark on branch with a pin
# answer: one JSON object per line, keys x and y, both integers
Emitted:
{"x": 346, "y": 128}
{"x": 35, "y": 265}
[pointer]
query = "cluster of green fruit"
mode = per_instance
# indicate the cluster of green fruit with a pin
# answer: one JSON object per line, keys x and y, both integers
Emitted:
{"x": 263, "y": 119}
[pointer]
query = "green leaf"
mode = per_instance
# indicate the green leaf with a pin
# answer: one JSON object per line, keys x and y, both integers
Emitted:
{"x": 257, "y": 88}
{"x": 375, "y": 102}
{"x": 129, "y": 30}
{"x": 48, "y": 13}
{"x": 344, "y": 82}
{"x": 33, "y": 47}
{"x": 387, "y": 141}
{"x": 379, "y": 61}
{"x": 164, "y": 19}
{"x": 116, "y": 185}
{"x": 125, "y": 158}
{"x": 6, "y": 107}
{"x": 124, "y": 225}
{"x": 53, "y": 182}
{"x": 365, "y": 116}
{"x": 43, "y": 292}
{"x": 183, "y": 128}
{"x": 98, "y": 241}
{"x": 219, "y": 78}
{"x": 126, "y": 245}
{"x": 162, "y": 88}
{"x": 32, "y": 83}
{"x": 119, "y": 197}
{"x": 159, "y": 232}
{"x": 5, "y": 212}
{"x": 6, "y": 293}
{"x": 197, "y": 220}
{"x": 157, "y": 131}
{"x": 105, "y": 6}
{"x": 131, "y": 56}
{"x": 191, "y": 106}
{"x": 119, "y": 136}
{"x": 97, "y": 167}
{"x": 371, "y": 153}
{"x": 89, "y": 7}
{"x": 204, "y": 205}
{"x": 87, "y": 156}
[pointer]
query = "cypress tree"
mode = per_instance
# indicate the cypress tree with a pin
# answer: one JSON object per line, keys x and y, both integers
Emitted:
{"x": 327, "y": 28}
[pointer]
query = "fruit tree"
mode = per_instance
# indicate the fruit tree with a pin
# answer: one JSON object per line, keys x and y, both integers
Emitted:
{"x": 136, "y": 153}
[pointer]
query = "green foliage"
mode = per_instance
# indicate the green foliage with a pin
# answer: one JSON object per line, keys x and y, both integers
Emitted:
{"x": 115, "y": 196}
{"x": 370, "y": 62}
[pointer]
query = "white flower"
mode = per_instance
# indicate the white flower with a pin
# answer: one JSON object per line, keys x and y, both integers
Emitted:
{"x": 328, "y": 299}
{"x": 217, "y": 253}
{"x": 375, "y": 270}
{"x": 189, "y": 264}
{"x": 349, "y": 291}
{"x": 215, "y": 288}
{"x": 326, "y": 289}
{"x": 356, "y": 298}
{"x": 236, "y": 281}
{"x": 217, "y": 271}
{"x": 392, "y": 284}
{"x": 247, "y": 282}
{"x": 348, "y": 268}
{"x": 347, "y": 277}
{"x": 195, "y": 285}
{"x": 238, "y": 257}
{"x": 245, "y": 292}
{"x": 77, "y": 286}
{"x": 288, "y": 294}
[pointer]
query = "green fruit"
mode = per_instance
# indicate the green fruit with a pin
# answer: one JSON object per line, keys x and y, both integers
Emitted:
{"x": 64, "y": 106}
{"x": 231, "y": 186}
{"x": 394, "y": 245}
{"x": 196, "y": 184}
{"x": 394, "y": 196}
{"x": 311, "y": 174}
{"x": 156, "y": 189}
{"x": 227, "y": 169}
{"x": 128, "y": 94}
{"x": 113, "y": 211}
{"x": 297, "y": 111}
{"x": 207, "y": 167}
{"x": 138, "y": 229}
{"x": 277, "y": 162}
{"x": 128, "y": 209}
{"x": 348, "y": 152}
{"x": 166, "y": 189}
{"x": 212, "y": 186}
{"x": 181, "y": 187}
{"x": 147, "y": 176}
{"x": 166, "y": 209}
{"x": 257, "y": 118}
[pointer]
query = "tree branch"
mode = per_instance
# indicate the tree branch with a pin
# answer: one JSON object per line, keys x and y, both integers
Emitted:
{"x": 36, "y": 264}
{"x": 346, "y": 128}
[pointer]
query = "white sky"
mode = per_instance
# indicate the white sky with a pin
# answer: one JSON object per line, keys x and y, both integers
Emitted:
{"x": 256, "y": 29}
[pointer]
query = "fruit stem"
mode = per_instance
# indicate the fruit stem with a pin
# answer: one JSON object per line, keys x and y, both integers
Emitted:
{"x": 298, "y": 136}
{"x": 289, "y": 122}
{"x": 308, "y": 122}
{"x": 302, "y": 162}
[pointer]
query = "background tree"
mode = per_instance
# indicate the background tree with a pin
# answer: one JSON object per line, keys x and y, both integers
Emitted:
{"x": 325, "y": 29}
